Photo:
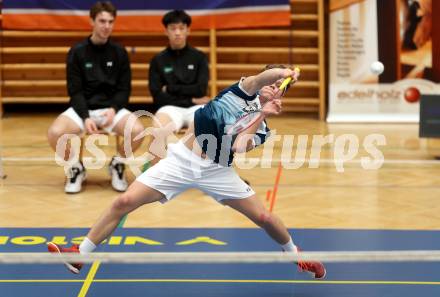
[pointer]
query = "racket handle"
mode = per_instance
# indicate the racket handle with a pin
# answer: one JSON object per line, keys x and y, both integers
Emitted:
{"x": 285, "y": 83}
{"x": 289, "y": 79}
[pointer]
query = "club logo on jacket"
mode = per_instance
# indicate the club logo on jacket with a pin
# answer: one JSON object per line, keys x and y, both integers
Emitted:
{"x": 167, "y": 69}
{"x": 109, "y": 63}
{"x": 88, "y": 65}
{"x": 191, "y": 67}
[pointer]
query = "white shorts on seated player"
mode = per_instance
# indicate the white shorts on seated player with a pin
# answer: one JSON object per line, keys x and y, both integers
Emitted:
{"x": 95, "y": 115}
{"x": 181, "y": 116}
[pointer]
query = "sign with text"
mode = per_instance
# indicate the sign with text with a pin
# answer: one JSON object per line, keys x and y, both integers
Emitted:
{"x": 365, "y": 31}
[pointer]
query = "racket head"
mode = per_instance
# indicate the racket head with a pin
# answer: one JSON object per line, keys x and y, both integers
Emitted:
{"x": 243, "y": 122}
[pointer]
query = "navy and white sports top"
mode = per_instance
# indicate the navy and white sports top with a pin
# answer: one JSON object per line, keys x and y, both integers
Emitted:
{"x": 213, "y": 120}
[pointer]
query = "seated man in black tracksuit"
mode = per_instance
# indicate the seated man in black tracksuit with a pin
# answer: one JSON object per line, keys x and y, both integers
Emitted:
{"x": 178, "y": 81}
{"x": 99, "y": 85}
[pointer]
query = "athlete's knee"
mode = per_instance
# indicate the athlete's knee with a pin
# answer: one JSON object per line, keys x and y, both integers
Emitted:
{"x": 265, "y": 219}
{"x": 54, "y": 132}
{"x": 123, "y": 203}
{"x": 136, "y": 135}
{"x": 137, "y": 129}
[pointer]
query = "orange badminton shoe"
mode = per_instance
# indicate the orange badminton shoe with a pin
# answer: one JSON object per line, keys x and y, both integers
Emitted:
{"x": 55, "y": 248}
{"x": 316, "y": 269}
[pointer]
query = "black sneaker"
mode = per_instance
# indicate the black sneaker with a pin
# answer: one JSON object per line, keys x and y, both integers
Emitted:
{"x": 76, "y": 176}
{"x": 116, "y": 170}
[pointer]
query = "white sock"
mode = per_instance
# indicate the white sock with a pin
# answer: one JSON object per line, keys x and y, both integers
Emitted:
{"x": 86, "y": 246}
{"x": 289, "y": 246}
{"x": 119, "y": 158}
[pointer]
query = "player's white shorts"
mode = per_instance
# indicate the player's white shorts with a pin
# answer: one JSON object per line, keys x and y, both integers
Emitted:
{"x": 182, "y": 169}
{"x": 95, "y": 115}
{"x": 181, "y": 116}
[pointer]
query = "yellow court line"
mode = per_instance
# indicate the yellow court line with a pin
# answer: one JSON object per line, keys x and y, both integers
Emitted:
{"x": 92, "y": 273}
{"x": 89, "y": 279}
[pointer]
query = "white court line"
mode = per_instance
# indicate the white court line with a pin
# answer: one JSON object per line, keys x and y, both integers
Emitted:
{"x": 274, "y": 160}
{"x": 224, "y": 257}
{"x": 358, "y": 161}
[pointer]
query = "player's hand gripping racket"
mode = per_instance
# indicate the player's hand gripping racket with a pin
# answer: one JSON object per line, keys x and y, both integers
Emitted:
{"x": 251, "y": 117}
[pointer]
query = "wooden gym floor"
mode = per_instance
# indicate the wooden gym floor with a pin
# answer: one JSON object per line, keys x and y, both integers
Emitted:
{"x": 401, "y": 194}
{"x": 326, "y": 208}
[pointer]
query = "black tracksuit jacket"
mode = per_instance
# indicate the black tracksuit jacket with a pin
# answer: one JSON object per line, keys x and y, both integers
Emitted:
{"x": 98, "y": 76}
{"x": 185, "y": 74}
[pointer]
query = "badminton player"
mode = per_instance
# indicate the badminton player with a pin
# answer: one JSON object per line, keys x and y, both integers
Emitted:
{"x": 202, "y": 159}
